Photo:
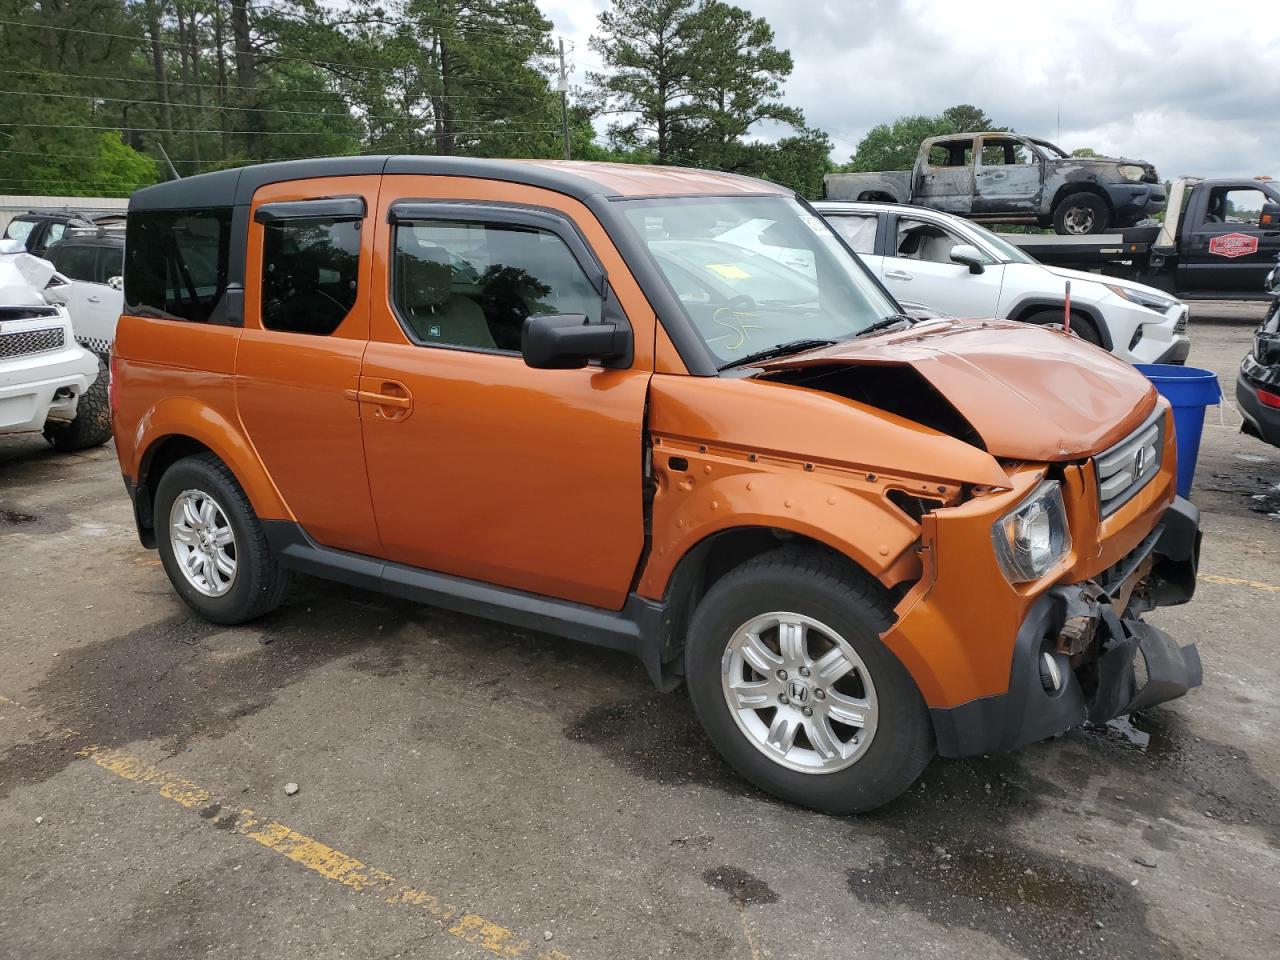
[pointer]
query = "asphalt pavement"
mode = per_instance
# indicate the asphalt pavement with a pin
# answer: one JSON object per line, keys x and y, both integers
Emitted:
{"x": 469, "y": 790}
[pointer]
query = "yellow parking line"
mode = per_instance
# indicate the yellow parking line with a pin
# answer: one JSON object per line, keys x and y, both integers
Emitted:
{"x": 1238, "y": 582}
{"x": 320, "y": 858}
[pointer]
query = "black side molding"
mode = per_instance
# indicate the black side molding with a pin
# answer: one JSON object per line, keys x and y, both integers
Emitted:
{"x": 635, "y": 629}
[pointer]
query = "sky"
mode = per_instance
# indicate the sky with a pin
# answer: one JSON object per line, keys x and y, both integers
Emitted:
{"x": 1193, "y": 87}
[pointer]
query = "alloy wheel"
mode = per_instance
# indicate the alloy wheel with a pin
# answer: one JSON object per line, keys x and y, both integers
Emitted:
{"x": 799, "y": 692}
{"x": 204, "y": 545}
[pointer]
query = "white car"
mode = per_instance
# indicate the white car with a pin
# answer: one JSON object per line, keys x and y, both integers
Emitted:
{"x": 48, "y": 383}
{"x": 968, "y": 271}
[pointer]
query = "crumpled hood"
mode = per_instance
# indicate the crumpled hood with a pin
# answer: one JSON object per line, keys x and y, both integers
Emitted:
{"x": 1030, "y": 393}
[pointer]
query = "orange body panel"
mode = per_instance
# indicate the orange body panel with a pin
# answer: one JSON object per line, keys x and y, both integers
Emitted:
{"x": 999, "y": 373}
{"x": 526, "y": 478}
{"x": 291, "y": 390}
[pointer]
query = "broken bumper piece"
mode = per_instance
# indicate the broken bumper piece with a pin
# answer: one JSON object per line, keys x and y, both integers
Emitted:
{"x": 1106, "y": 662}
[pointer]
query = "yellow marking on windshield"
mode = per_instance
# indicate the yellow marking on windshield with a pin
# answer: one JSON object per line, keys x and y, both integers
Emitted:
{"x": 730, "y": 271}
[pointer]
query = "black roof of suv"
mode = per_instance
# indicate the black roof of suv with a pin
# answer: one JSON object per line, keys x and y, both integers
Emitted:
{"x": 44, "y": 224}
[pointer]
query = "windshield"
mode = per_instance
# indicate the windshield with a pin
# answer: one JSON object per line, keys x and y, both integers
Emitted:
{"x": 753, "y": 273}
{"x": 19, "y": 229}
{"x": 1003, "y": 248}
{"x": 1046, "y": 145}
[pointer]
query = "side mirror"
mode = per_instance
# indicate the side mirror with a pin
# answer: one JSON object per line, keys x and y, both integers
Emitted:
{"x": 570, "y": 341}
{"x": 115, "y": 283}
{"x": 970, "y": 256}
{"x": 1270, "y": 216}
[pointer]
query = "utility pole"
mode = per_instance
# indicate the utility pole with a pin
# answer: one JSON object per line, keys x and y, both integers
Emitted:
{"x": 563, "y": 87}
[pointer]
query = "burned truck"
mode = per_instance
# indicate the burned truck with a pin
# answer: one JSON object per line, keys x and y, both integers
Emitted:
{"x": 1010, "y": 178}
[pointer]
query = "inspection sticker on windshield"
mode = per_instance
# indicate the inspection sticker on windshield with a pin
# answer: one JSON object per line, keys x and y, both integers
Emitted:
{"x": 730, "y": 271}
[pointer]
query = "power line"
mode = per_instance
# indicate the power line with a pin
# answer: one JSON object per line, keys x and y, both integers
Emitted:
{"x": 217, "y": 106}
{"x": 330, "y": 64}
{"x": 150, "y": 81}
{"x": 262, "y": 133}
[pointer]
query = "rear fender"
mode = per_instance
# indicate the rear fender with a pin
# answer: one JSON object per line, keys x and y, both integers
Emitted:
{"x": 188, "y": 417}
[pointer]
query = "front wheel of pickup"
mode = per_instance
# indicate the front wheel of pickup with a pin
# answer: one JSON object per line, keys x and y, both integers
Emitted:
{"x": 211, "y": 544}
{"x": 788, "y": 675}
{"x": 1081, "y": 214}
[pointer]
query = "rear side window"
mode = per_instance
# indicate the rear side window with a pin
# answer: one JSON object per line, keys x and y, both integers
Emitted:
{"x": 468, "y": 284}
{"x": 859, "y": 231}
{"x": 309, "y": 273}
{"x": 176, "y": 262}
{"x": 77, "y": 263}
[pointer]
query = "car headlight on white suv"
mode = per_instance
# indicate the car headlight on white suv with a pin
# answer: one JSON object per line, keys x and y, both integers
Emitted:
{"x": 1131, "y": 171}
{"x": 1143, "y": 299}
{"x": 1032, "y": 537}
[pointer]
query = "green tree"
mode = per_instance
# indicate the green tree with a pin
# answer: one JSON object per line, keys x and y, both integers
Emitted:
{"x": 649, "y": 55}
{"x": 894, "y": 146}
{"x": 1085, "y": 152}
{"x": 735, "y": 83}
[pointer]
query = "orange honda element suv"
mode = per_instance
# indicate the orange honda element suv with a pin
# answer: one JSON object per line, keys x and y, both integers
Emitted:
{"x": 663, "y": 411}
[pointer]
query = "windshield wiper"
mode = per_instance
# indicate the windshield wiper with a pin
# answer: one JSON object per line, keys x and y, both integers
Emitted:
{"x": 778, "y": 350}
{"x": 884, "y": 323}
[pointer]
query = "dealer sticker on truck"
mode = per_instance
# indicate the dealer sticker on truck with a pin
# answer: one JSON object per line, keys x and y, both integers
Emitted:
{"x": 1233, "y": 245}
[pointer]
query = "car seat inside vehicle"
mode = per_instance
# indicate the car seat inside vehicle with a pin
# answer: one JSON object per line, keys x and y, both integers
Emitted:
{"x": 431, "y": 308}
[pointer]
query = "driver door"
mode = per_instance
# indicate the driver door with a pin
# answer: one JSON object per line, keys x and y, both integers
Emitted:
{"x": 921, "y": 269}
{"x": 479, "y": 465}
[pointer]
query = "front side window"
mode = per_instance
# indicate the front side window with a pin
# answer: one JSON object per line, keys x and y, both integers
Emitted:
{"x": 1235, "y": 206}
{"x": 472, "y": 285}
{"x": 176, "y": 262}
{"x": 310, "y": 269}
{"x": 920, "y": 240}
{"x": 1006, "y": 152}
{"x": 799, "y": 283}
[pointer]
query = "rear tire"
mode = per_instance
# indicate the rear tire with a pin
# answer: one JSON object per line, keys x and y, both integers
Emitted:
{"x": 836, "y": 615}
{"x": 1082, "y": 326}
{"x": 211, "y": 544}
{"x": 92, "y": 425}
{"x": 1081, "y": 214}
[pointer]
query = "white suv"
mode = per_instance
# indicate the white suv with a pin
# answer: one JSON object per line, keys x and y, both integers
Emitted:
{"x": 968, "y": 271}
{"x": 48, "y": 383}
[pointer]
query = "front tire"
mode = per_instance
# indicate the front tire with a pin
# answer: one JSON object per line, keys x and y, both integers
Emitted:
{"x": 1081, "y": 326}
{"x": 211, "y": 544}
{"x": 790, "y": 680}
{"x": 1081, "y": 214}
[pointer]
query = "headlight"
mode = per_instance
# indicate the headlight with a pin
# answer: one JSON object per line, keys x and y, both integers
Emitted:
{"x": 1033, "y": 536}
{"x": 1149, "y": 300}
{"x": 1132, "y": 172}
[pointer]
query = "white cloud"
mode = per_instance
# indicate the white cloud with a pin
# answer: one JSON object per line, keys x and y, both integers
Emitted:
{"x": 1189, "y": 86}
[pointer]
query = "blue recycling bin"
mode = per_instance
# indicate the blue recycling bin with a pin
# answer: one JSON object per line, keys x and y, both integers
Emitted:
{"x": 1189, "y": 390}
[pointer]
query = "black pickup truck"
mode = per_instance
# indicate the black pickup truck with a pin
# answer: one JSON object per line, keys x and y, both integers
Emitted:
{"x": 1218, "y": 241}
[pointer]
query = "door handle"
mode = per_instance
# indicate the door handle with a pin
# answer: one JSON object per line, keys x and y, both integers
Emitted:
{"x": 390, "y": 399}
{"x": 94, "y": 299}
{"x": 896, "y": 275}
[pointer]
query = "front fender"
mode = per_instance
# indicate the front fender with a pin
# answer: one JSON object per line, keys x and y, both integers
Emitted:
{"x": 711, "y": 491}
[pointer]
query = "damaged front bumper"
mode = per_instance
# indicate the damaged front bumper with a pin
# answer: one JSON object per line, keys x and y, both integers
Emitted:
{"x": 1106, "y": 661}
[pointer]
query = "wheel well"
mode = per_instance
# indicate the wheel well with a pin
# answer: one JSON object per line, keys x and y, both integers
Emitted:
{"x": 163, "y": 454}
{"x": 1095, "y": 320}
{"x": 1081, "y": 186}
{"x": 707, "y": 562}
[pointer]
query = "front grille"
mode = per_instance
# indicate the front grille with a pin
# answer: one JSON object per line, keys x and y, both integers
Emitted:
{"x": 1128, "y": 466}
{"x": 25, "y": 342}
